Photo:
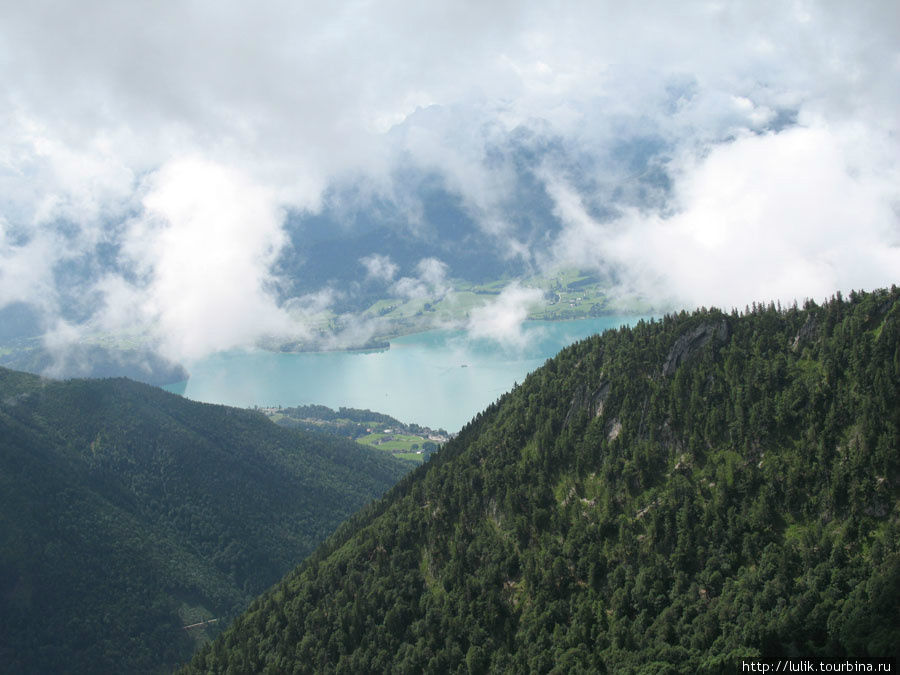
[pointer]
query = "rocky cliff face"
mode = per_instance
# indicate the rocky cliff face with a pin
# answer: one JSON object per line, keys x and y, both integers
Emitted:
{"x": 689, "y": 344}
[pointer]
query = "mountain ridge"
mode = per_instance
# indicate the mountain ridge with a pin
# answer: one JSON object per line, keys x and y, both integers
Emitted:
{"x": 128, "y": 512}
{"x": 608, "y": 515}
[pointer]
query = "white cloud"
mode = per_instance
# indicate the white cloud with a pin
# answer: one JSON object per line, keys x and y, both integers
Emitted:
{"x": 352, "y": 332}
{"x": 430, "y": 281}
{"x": 311, "y": 304}
{"x": 379, "y": 267}
{"x": 102, "y": 102}
{"x": 783, "y": 216}
{"x": 501, "y": 320}
{"x": 59, "y": 341}
{"x": 434, "y": 273}
{"x": 409, "y": 287}
{"x": 205, "y": 243}
{"x": 25, "y": 275}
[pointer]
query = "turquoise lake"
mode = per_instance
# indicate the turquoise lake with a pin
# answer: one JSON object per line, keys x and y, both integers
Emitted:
{"x": 439, "y": 379}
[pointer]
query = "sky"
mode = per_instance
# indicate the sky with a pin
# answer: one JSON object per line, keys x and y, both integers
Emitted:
{"x": 151, "y": 153}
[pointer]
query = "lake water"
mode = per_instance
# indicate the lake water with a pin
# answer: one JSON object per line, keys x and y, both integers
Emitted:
{"x": 439, "y": 379}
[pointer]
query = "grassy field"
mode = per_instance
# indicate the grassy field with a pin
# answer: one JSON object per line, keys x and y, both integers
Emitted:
{"x": 394, "y": 443}
{"x": 567, "y": 294}
{"x": 405, "y": 446}
{"x": 372, "y": 429}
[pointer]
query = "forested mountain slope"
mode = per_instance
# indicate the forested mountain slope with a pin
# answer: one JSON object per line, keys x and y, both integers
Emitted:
{"x": 127, "y": 512}
{"x": 671, "y": 497}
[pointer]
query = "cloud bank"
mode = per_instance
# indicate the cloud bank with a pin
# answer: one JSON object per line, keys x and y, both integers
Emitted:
{"x": 501, "y": 320}
{"x": 695, "y": 153}
{"x": 202, "y": 247}
{"x": 763, "y": 217}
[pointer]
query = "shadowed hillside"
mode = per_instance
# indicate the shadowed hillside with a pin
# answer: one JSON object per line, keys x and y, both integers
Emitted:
{"x": 127, "y": 513}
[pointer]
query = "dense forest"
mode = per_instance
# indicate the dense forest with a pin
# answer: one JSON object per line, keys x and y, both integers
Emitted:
{"x": 127, "y": 513}
{"x": 672, "y": 497}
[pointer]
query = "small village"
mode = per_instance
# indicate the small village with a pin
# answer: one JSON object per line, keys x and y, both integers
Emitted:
{"x": 406, "y": 441}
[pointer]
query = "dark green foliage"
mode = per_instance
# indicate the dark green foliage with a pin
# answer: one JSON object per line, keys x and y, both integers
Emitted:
{"x": 125, "y": 511}
{"x": 673, "y": 497}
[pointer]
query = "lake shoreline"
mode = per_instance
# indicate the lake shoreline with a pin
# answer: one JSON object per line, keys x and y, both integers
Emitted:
{"x": 386, "y": 343}
{"x": 383, "y": 342}
{"x": 438, "y": 378}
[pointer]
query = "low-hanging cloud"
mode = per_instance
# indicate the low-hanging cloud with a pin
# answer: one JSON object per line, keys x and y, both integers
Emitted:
{"x": 775, "y": 216}
{"x": 695, "y": 153}
{"x": 202, "y": 250}
{"x": 25, "y": 275}
{"x": 430, "y": 281}
{"x": 379, "y": 267}
{"x": 502, "y": 319}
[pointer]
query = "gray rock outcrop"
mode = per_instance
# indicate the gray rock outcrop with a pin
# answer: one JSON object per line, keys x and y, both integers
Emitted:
{"x": 692, "y": 342}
